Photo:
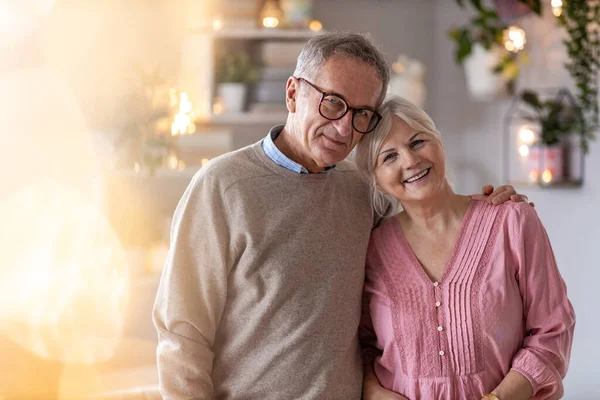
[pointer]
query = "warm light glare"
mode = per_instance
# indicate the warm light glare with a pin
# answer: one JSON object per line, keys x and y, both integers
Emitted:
{"x": 136, "y": 168}
{"x": 514, "y": 39}
{"x": 315, "y": 25}
{"x": 183, "y": 123}
{"x": 557, "y": 7}
{"x": 534, "y": 175}
{"x": 173, "y": 162}
{"x": 218, "y": 107}
{"x": 526, "y": 135}
{"x": 524, "y": 150}
{"x": 217, "y": 24}
{"x": 270, "y": 22}
{"x": 63, "y": 275}
{"x": 205, "y": 161}
{"x": 547, "y": 176}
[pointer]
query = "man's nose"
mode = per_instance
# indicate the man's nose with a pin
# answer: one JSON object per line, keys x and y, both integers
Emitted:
{"x": 344, "y": 125}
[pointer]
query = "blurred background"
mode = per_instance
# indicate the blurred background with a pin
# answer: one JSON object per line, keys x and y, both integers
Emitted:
{"x": 109, "y": 107}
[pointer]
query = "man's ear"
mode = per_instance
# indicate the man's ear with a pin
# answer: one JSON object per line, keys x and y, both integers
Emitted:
{"x": 291, "y": 93}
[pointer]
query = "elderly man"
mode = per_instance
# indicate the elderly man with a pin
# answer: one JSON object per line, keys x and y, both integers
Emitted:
{"x": 261, "y": 294}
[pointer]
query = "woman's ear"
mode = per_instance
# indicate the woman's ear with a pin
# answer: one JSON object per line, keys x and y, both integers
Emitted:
{"x": 291, "y": 92}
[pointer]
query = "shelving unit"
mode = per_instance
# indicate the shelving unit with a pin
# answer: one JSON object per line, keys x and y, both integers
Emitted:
{"x": 198, "y": 75}
{"x": 266, "y": 33}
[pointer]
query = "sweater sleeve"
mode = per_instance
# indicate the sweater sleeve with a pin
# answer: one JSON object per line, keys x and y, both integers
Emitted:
{"x": 549, "y": 315}
{"x": 192, "y": 291}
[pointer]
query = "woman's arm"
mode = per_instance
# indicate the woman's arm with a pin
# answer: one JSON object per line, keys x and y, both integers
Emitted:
{"x": 549, "y": 317}
{"x": 514, "y": 386}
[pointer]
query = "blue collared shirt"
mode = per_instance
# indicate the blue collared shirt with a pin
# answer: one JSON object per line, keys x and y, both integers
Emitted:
{"x": 271, "y": 150}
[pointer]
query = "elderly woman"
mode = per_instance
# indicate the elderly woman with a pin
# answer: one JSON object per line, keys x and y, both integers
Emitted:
{"x": 462, "y": 299}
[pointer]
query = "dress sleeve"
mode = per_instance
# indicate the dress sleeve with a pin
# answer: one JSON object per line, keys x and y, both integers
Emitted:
{"x": 192, "y": 292}
{"x": 549, "y": 315}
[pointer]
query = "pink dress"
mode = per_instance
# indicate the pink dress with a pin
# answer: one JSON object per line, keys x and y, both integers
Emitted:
{"x": 501, "y": 304}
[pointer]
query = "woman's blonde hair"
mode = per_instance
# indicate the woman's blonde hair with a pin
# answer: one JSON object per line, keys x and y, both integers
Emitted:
{"x": 370, "y": 145}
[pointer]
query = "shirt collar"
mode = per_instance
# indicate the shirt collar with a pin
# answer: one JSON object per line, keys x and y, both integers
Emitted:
{"x": 273, "y": 152}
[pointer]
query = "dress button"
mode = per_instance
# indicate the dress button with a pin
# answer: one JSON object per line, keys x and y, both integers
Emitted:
{"x": 442, "y": 352}
{"x": 440, "y": 328}
{"x": 437, "y": 304}
{"x": 436, "y": 284}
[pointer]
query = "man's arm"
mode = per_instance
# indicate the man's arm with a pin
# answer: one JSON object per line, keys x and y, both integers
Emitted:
{"x": 192, "y": 292}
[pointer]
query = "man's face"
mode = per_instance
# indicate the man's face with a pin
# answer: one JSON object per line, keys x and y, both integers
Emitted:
{"x": 319, "y": 142}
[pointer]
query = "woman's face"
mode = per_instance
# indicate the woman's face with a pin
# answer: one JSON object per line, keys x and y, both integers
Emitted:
{"x": 411, "y": 164}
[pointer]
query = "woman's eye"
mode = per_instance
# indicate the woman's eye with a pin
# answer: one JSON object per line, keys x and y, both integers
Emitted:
{"x": 389, "y": 157}
{"x": 417, "y": 143}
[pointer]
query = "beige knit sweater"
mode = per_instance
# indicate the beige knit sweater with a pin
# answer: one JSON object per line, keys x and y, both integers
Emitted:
{"x": 260, "y": 297}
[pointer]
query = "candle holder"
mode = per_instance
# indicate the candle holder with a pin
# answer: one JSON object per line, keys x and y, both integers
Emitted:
{"x": 542, "y": 134}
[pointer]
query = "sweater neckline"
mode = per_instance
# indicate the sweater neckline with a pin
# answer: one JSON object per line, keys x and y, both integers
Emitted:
{"x": 450, "y": 267}
{"x": 270, "y": 164}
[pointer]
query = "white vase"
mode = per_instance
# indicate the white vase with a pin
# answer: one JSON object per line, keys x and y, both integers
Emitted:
{"x": 408, "y": 87}
{"x": 482, "y": 82}
{"x": 232, "y": 96}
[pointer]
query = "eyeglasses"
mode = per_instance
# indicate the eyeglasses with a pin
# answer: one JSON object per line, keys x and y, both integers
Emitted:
{"x": 334, "y": 107}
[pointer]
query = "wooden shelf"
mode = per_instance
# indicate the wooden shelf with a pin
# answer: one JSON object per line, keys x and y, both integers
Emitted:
{"x": 253, "y": 118}
{"x": 266, "y": 33}
{"x": 565, "y": 184}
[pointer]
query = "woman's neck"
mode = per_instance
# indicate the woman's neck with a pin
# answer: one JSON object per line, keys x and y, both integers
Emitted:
{"x": 436, "y": 214}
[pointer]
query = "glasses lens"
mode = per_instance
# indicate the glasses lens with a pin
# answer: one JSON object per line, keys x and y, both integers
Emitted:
{"x": 333, "y": 107}
{"x": 365, "y": 120}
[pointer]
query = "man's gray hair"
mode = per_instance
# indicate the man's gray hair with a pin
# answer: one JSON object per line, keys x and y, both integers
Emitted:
{"x": 346, "y": 44}
{"x": 369, "y": 146}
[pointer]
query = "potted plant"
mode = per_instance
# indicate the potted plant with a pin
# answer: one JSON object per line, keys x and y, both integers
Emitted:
{"x": 234, "y": 73}
{"x": 554, "y": 118}
{"x": 490, "y": 67}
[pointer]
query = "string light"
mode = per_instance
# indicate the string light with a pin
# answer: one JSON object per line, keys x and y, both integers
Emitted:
{"x": 526, "y": 135}
{"x": 514, "y": 39}
{"x": 271, "y": 14}
{"x": 315, "y": 25}
{"x": 557, "y": 7}
{"x": 524, "y": 150}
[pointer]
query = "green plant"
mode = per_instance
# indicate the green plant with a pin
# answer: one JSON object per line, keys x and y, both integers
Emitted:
{"x": 486, "y": 28}
{"x": 556, "y": 117}
{"x": 236, "y": 67}
{"x": 581, "y": 18}
{"x": 143, "y": 121}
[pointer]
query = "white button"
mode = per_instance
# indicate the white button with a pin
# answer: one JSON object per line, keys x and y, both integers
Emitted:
{"x": 440, "y": 328}
{"x": 437, "y": 304}
{"x": 436, "y": 284}
{"x": 442, "y": 352}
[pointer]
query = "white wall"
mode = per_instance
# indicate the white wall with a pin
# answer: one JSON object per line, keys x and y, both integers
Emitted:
{"x": 398, "y": 27}
{"x": 473, "y": 136}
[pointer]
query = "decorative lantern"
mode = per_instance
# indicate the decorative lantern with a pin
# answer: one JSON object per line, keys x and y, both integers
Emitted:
{"x": 541, "y": 139}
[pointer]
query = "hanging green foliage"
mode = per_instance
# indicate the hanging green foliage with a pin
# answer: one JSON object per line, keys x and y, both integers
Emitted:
{"x": 581, "y": 19}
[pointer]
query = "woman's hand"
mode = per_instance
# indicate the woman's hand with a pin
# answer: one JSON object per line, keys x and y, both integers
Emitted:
{"x": 372, "y": 389}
